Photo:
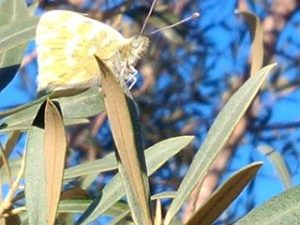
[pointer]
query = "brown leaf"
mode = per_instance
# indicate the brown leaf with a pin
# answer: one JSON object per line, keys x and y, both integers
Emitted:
{"x": 55, "y": 153}
{"x": 120, "y": 110}
{"x": 257, "y": 47}
{"x": 74, "y": 193}
{"x": 223, "y": 196}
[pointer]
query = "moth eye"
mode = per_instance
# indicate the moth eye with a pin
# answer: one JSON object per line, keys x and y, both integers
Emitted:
{"x": 136, "y": 42}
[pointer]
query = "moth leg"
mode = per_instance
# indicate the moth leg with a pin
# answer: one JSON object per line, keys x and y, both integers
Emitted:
{"x": 133, "y": 80}
{"x": 118, "y": 68}
{"x": 124, "y": 73}
{"x": 131, "y": 77}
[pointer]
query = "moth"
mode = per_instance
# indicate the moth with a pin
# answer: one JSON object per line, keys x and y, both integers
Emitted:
{"x": 67, "y": 43}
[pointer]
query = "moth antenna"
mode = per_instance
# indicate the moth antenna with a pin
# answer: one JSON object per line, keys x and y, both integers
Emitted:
{"x": 148, "y": 16}
{"x": 194, "y": 16}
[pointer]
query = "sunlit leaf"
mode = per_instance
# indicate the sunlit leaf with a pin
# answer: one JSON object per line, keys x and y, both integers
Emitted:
{"x": 107, "y": 163}
{"x": 156, "y": 156}
{"x": 35, "y": 187}
{"x": 10, "y": 144}
{"x": 165, "y": 194}
{"x": 87, "y": 180}
{"x": 278, "y": 163}
{"x": 6, "y": 168}
{"x": 224, "y": 195}
{"x": 256, "y": 30}
{"x": 119, "y": 219}
{"x": 79, "y": 205}
{"x": 2, "y": 220}
{"x": 74, "y": 109}
{"x": 9, "y": 65}
{"x": 18, "y": 31}
{"x": 14, "y": 165}
{"x": 22, "y": 107}
{"x": 217, "y": 136}
{"x": 85, "y": 104}
{"x": 158, "y": 213}
{"x": 10, "y": 9}
{"x": 10, "y": 60}
{"x": 282, "y": 209}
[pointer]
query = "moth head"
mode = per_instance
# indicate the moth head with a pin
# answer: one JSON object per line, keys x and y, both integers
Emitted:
{"x": 134, "y": 49}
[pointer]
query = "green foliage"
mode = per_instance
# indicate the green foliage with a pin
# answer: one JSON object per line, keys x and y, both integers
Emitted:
{"x": 222, "y": 197}
{"x": 279, "y": 164}
{"x": 17, "y": 25}
{"x": 75, "y": 110}
{"x": 34, "y": 174}
{"x": 44, "y": 121}
{"x": 282, "y": 209}
{"x": 14, "y": 33}
{"x": 217, "y": 136}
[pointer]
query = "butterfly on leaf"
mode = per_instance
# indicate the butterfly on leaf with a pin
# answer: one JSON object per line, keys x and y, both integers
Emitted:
{"x": 67, "y": 43}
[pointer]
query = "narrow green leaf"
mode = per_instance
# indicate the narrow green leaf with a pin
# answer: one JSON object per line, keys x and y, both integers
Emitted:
{"x": 7, "y": 203}
{"x": 10, "y": 60}
{"x": 14, "y": 166}
{"x": 10, "y": 144}
{"x": 10, "y": 9}
{"x": 25, "y": 222}
{"x": 87, "y": 180}
{"x": 33, "y": 7}
{"x": 6, "y": 167}
{"x": 165, "y": 194}
{"x": 107, "y": 163}
{"x": 158, "y": 213}
{"x": 89, "y": 100}
{"x": 176, "y": 221}
{"x": 224, "y": 195}
{"x": 125, "y": 222}
{"x": 17, "y": 32}
{"x": 7, "y": 73}
{"x": 20, "y": 120}
{"x": 9, "y": 65}
{"x": 55, "y": 147}
{"x": 71, "y": 121}
{"x": 282, "y": 209}
{"x": 75, "y": 206}
{"x": 85, "y": 104}
{"x": 257, "y": 48}
{"x": 217, "y": 136}
{"x": 35, "y": 186}
{"x": 156, "y": 156}
{"x": 120, "y": 218}
{"x": 22, "y": 107}
{"x": 278, "y": 163}
{"x": 122, "y": 116}
{"x": 74, "y": 108}
{"x": 2, "y": 220}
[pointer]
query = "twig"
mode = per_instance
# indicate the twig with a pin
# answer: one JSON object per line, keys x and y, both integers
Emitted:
{"x": 7, "y": 203}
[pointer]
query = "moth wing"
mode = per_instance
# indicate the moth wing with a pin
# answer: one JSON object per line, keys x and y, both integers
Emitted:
{"x": 66, "y": 45}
